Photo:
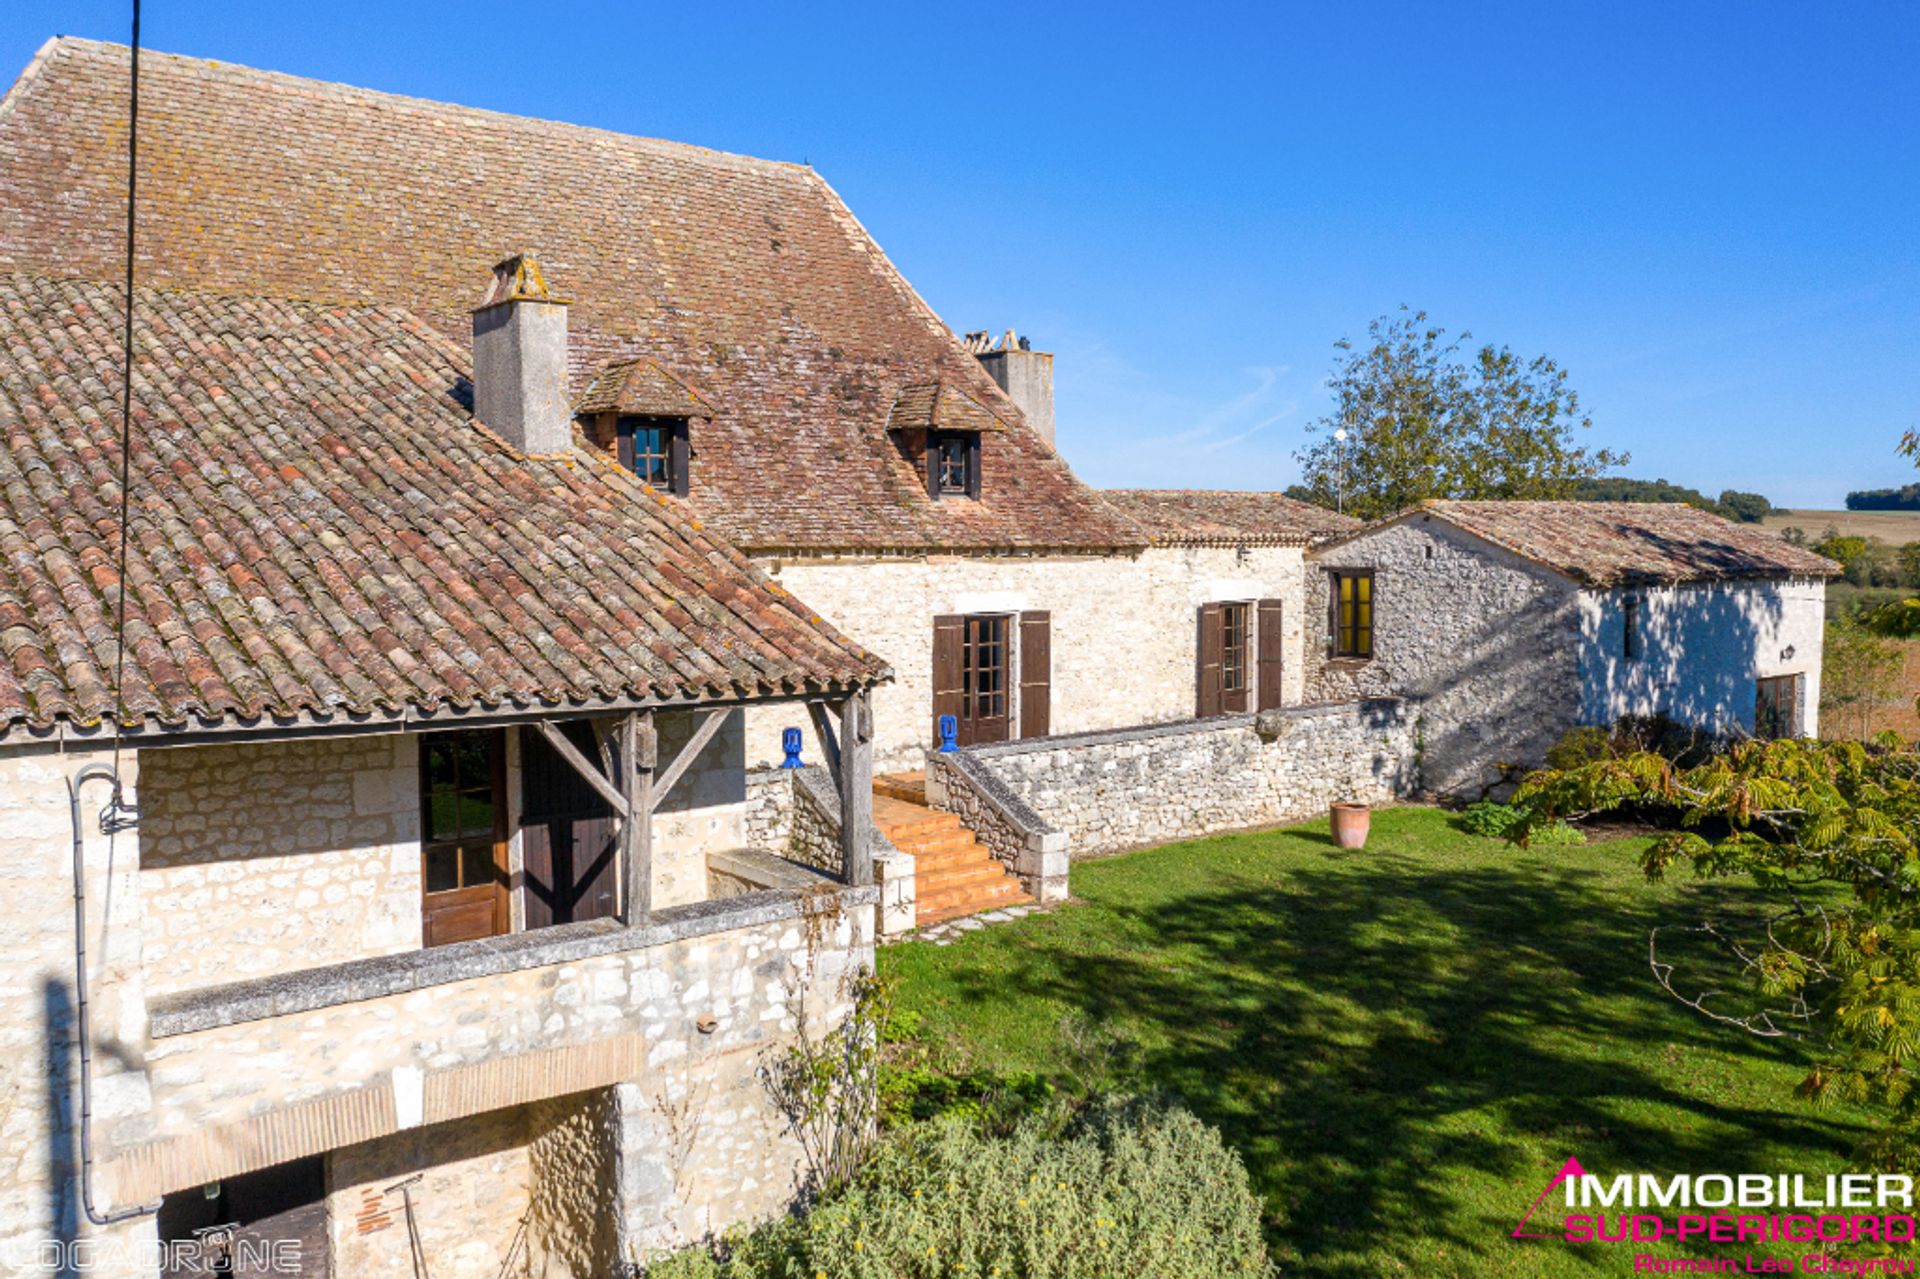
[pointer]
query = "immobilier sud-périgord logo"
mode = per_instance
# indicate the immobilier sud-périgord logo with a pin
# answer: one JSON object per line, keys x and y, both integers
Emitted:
{"x": 1732, "y": 1223}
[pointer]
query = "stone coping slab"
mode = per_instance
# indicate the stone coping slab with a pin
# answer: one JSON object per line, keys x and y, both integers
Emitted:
{"x": 769, "y": 870}
{"x": 315, "y": 988}
{"x": 1146, "y": 732}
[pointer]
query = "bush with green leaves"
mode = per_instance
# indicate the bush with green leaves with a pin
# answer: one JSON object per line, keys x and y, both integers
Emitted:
{"x": 1125, "y": 1189}
{"x": 1496, "y": 821}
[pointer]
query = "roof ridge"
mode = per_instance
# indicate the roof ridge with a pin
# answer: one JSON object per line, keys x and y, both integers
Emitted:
{"x": 344, "y": 89}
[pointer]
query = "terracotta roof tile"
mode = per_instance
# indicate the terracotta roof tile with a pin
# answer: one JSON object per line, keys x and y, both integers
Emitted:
{"x": 1219, "y": 517}
{"x": 642, "y": 387}
{"x": 320, "y": 528}
{"x": 1605, "y": 544}
{"x": 746, "y": 278}
{"x": 937, "y": 406}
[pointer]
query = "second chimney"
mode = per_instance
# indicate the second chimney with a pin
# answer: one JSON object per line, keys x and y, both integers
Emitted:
{"x": 1026, "y": 375}
{"x": 520, "y": 360}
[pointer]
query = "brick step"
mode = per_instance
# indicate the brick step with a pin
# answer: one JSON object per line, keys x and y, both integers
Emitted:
{"x": 926, "y": 917}
{"x": 925, "y": 868}
{"x": 956, "y": 878}
{"x": 938, "y": 843}
{"x": 909, "y": 788}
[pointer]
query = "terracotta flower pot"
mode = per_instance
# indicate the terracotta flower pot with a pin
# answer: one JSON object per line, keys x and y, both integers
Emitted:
{"x": 1350, "y": 823}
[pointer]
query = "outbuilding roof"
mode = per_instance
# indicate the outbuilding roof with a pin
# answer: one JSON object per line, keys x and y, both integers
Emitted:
{"x": 1603, "y": 544}
{"x": 320, "y": 530}
{"x": 747, "y": 279}
{"x": 1219, "y": 517}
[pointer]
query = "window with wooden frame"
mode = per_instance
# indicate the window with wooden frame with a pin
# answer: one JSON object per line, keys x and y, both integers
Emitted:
{"x": 1232, "y": 658}
{"x": 1630, "y": 628}
{"x": 953, "y": 464}
{"x": 1776, "y": 708}
{"x": 463, "y": 836}
{"x": 655, "y": 449}
{"x": 1233, "y": 649}
{"x": 1350, "y": 603}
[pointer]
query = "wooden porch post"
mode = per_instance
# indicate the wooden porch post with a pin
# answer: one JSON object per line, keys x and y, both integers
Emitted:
{"x": 640, "y": 749}
{"x": 856, "y": 787}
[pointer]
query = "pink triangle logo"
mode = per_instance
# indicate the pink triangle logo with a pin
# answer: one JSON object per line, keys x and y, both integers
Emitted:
{"x": 1571, "y": 1168}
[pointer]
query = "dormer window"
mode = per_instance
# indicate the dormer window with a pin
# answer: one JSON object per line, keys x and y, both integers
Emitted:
{"x": 953, "y": 463}
{"x": 938, "y": 429}
{"x": 655, "y": 449}
{"x": 644, "y": 414}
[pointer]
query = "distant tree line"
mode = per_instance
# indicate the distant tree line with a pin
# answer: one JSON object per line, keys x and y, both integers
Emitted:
{"x": 1904, "y": 498}
{"x": 1748, "y": 508}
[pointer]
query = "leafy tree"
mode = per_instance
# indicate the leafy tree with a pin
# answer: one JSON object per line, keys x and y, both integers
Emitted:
{"x": 1832, "y": 831}
{"x": 1905, "y": 498}
{"x": 1748, "y": 508}
{"x": 1859, "y": 674}
{"x": 1427, "y": 419}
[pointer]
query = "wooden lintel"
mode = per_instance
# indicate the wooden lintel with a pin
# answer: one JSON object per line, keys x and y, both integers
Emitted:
{"x": 688, "y": 753}
{"x": 566, "y": 750}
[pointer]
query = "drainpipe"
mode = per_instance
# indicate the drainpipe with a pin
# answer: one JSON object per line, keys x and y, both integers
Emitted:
{"x": 115, "y": 816}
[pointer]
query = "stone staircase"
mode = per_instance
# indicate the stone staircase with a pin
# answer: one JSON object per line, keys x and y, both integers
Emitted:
{"x": 954, "y": 874}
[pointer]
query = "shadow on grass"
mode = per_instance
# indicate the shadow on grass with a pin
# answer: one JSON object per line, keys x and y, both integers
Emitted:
{"x": 1390, "y": 1043}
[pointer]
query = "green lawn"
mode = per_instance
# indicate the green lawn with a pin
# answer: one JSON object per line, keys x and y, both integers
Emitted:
{"x": 1403, "y": 1043}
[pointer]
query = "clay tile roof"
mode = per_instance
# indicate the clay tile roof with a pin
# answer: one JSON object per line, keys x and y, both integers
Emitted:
{"x": 936, "y": 406}
{"x": 1604, "y": 544}
{"x": 320, "y": 529}
{"x": 1218, "y": 517}
{"x": 750, "y": 279}
{"x": 642, "y": 387}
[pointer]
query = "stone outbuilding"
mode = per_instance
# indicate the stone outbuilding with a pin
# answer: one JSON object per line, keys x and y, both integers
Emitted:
{"x": 1506, "y": 623}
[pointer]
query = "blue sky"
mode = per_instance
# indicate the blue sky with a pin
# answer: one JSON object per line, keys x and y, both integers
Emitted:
{"x": 1708, "y": 213}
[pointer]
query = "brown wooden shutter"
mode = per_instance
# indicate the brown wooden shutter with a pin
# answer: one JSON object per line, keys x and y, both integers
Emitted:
{"x": 1036, "y": 674}
{"x": 679, "y": 481}
{"x": 973, "y": 465}
{"x": 623, "y": 443}
{"x": 1207, "y": 675}
{"x": 1272, "y": 647}
{"x": 933, "y": 464}
{"x": 948, "y": 630}
{"x": 1333, "y": 614}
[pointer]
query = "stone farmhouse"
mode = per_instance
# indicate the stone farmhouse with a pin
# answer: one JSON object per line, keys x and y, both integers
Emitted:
{"x": 422, "y": 914}
{"x": 481, "y": 465}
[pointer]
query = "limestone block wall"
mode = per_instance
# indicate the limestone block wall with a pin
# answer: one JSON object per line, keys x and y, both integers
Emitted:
{"x": 1123, "y": 630}
{"x": 269, "y": 857}
{"x": 475, "y": 1186}
{"x": 1485, "y": 644}
{"x": 1701, "y": 648}
{"x": 705, "y": 812}
{"x": 573, "y": 1231}
{"x": 39, "y": 1058}
{"x": 1026, "y": 843}
{"x": 1112, "y": 791}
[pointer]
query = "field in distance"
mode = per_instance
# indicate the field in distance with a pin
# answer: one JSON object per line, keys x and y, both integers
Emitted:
{"x": 1896, "y": 528}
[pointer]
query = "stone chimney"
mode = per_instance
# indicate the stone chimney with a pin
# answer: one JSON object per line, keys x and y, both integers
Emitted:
{"x": 520, "y": 360}
{"x": 1026, "y": 375}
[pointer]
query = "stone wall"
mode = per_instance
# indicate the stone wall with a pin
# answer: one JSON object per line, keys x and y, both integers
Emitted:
{"x": 270, "y": 857}
{"x": 1700, "y": 649}
{"x": 705, "y": 812}
{"x": 1112, "y": 791}
{"x": 573, "y": 1231}
{"x": 1483, "y": 643}
{"x": 768, "y": 815}
{"x": 474, "y": 1189}
{"x": 39, "y": 1058}
{"x": 1123, "y": 630}
{"x": 437, "y": 1058}
{"x": 1020, "y": 838}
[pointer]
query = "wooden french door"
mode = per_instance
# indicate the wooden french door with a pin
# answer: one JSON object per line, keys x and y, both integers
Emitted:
{"x": 971, "y": 675}
{"x": 569, "y": 837}
{"x": 463, "y": 836}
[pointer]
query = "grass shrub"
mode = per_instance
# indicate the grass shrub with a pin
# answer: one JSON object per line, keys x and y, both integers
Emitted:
{"x": 1130, "y": 1189}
